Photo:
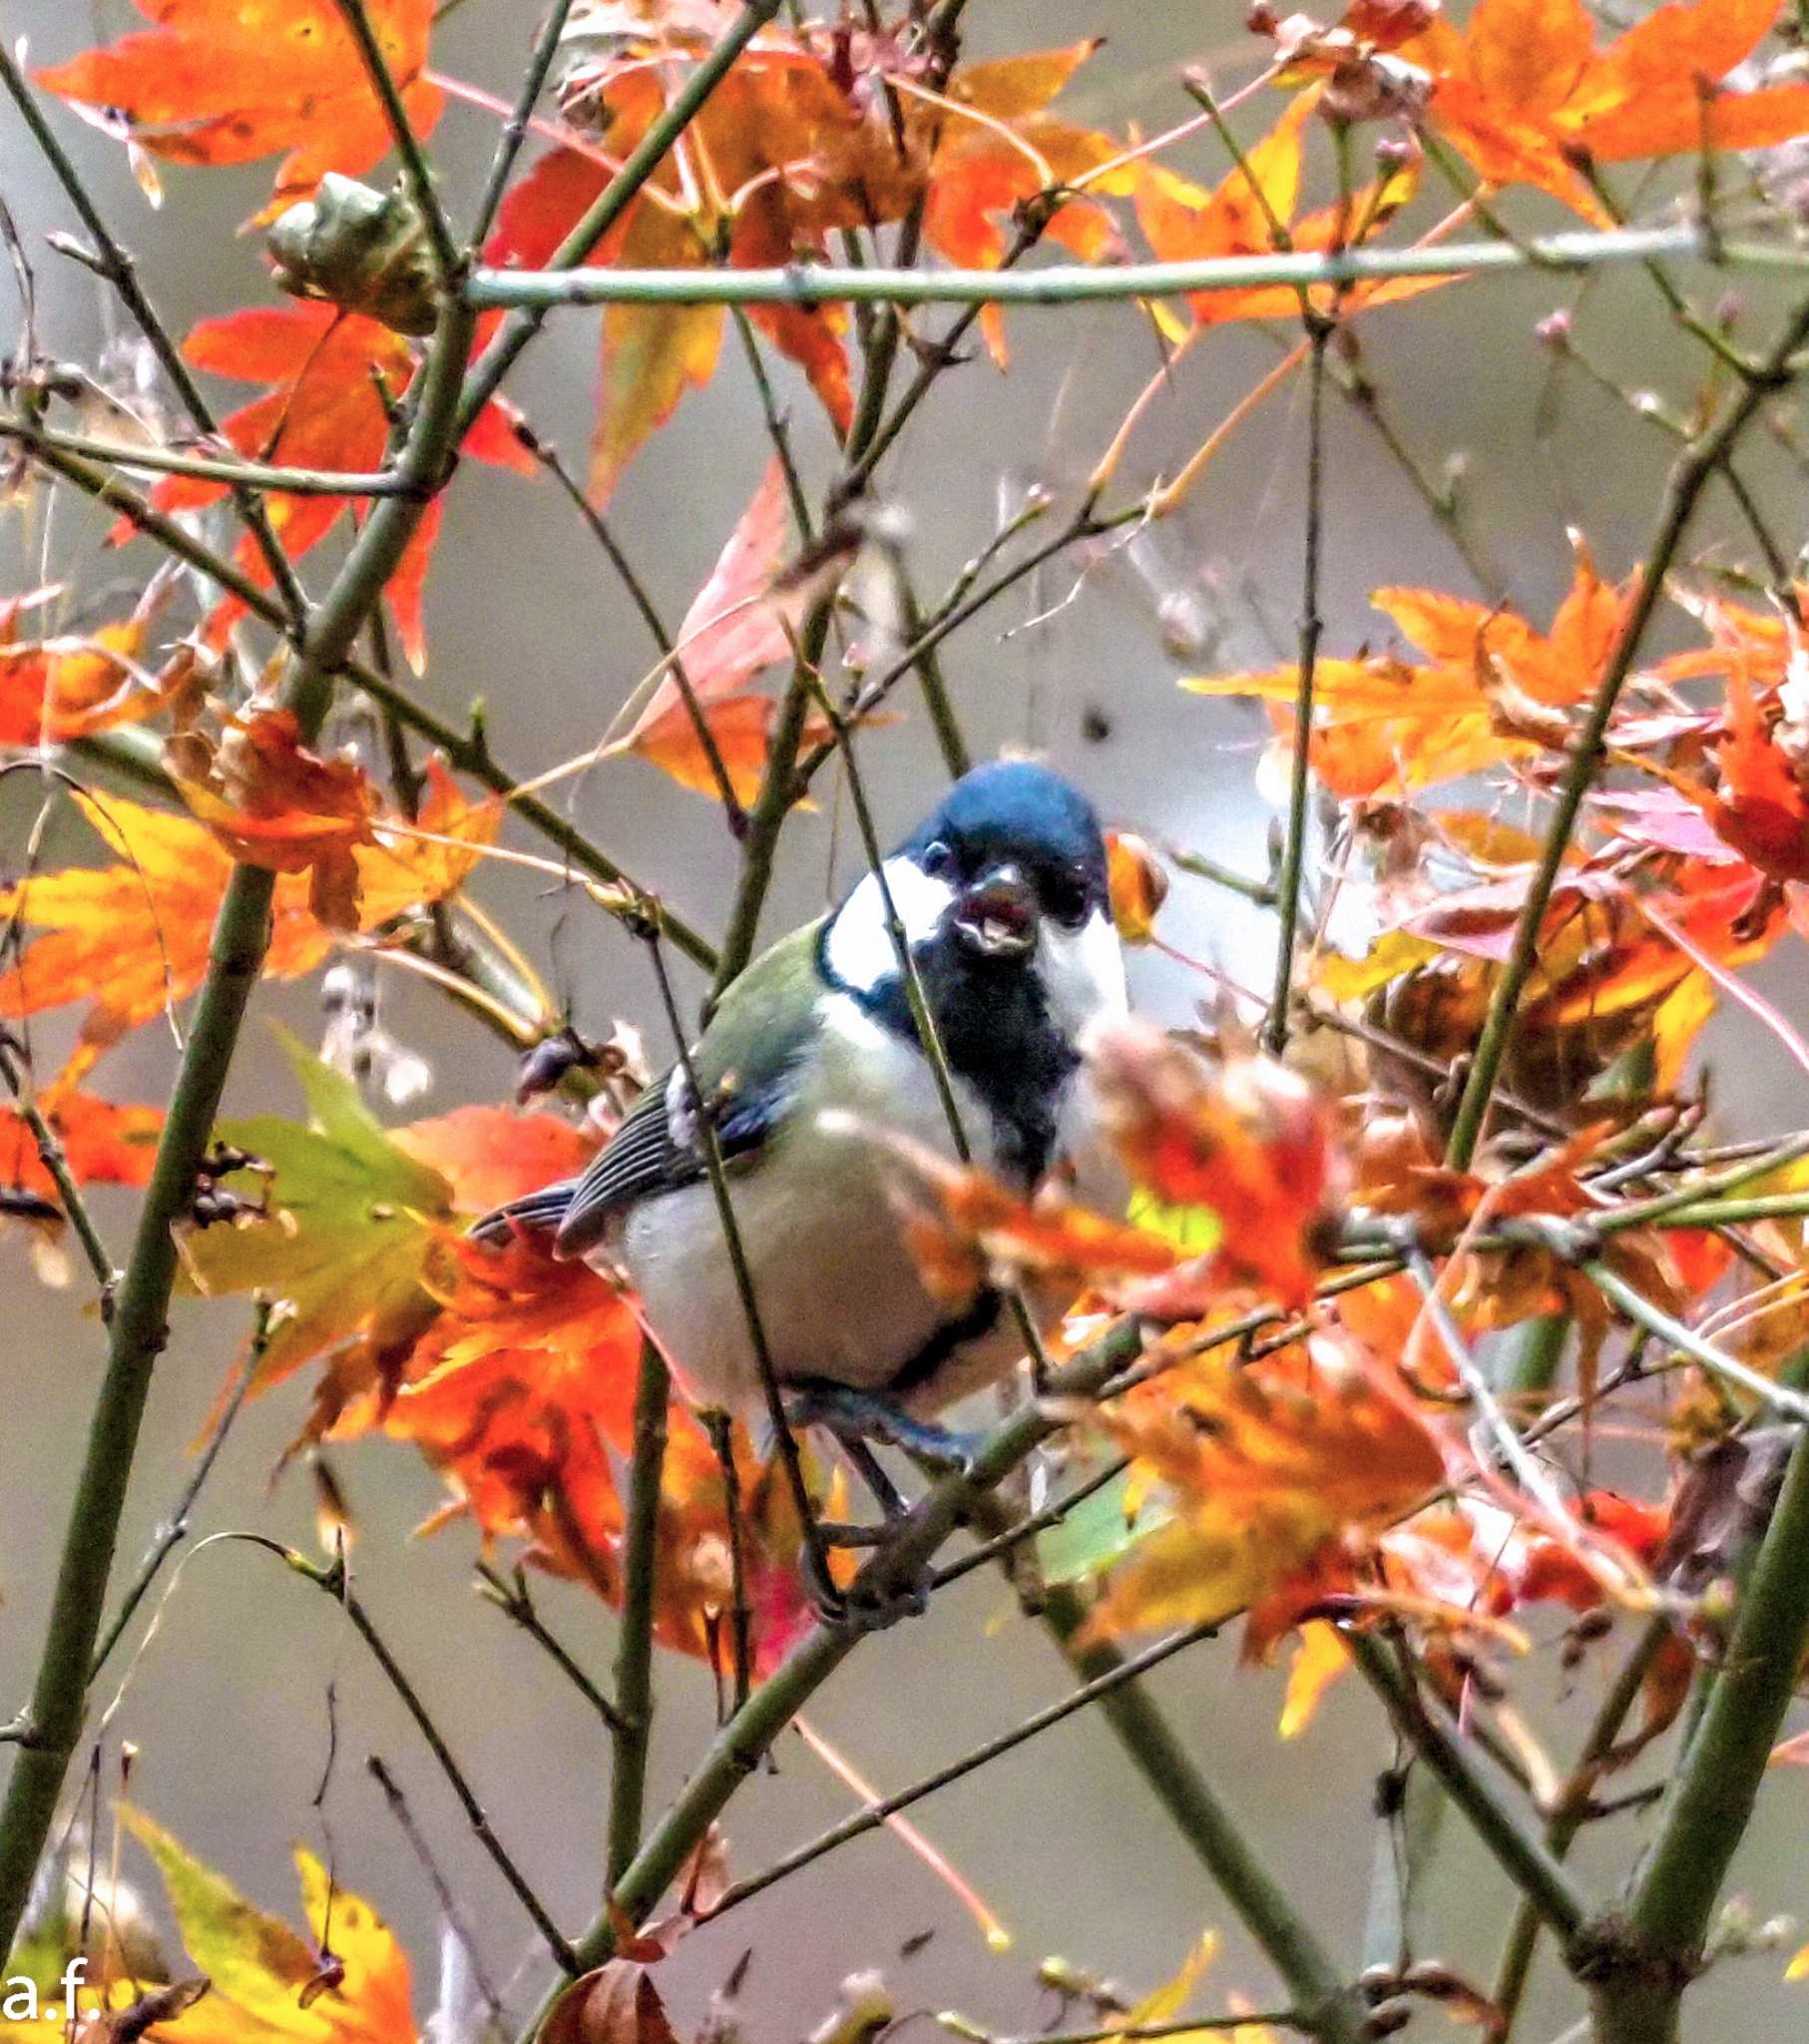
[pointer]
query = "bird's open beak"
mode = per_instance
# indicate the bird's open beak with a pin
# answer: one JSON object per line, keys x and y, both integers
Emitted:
{"x": 997, "y": 915}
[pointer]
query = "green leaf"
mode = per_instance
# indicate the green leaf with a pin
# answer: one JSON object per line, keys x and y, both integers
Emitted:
{"x": 1095, "y": 1534}
{"x": 255, "y": 1961}
{"x": 350, "y": 1228}
{"x": 1195, "y": 1230}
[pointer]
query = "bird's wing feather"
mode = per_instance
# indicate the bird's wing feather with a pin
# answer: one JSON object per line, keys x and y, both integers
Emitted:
{"x": 746, "y": 1064}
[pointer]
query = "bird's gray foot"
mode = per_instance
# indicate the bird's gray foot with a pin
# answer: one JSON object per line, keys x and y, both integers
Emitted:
{"x": 864, "y": 1415}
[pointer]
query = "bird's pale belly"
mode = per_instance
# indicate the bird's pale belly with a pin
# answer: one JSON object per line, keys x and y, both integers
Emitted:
{"x": 838, "y": 1288}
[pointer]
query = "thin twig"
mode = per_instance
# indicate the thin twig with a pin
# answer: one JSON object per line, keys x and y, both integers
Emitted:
{"x": 548, "y": 458}
{"x": 1534, "y": 1872}
{"x": 51, "y": 1155}
{"x": 335, "y": 1580}
{"x": 874, "y": 1815}
{"x": 1700, "y": 460}
{"x": 1717, "y": 1361}
{"x": 1312, "y": 624}
{"x": 442, "y": 1888}
{"x": 249, "y": 475}
{"x": 515, "y": 129}
{"x": 1572, "y": 1812}
{"x": 117, "y": 267}
{"x": 175, "y": 1528}
{"x": 510, "y": 1596}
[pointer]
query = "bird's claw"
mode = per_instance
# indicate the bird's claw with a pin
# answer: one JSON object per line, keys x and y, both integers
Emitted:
{"x": 856, "y": 1609}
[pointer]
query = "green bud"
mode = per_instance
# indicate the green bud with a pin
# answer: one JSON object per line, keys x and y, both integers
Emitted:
{"x": 361, "y": 249}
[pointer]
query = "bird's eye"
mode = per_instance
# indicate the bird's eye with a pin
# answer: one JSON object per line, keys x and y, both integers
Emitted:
{"x": 1066, "y": 893}
{"x": 938, "y": 859}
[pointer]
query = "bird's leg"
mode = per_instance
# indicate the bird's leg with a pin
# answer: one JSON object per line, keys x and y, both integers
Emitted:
{"x": 854, "y": 1419}
{"x": 865, "y": 1415}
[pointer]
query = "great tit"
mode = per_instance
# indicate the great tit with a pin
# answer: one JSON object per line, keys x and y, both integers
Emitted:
{"x": 1003, "y": 896}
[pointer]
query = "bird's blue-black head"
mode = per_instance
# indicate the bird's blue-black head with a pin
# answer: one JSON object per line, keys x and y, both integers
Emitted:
{"x": 1003, "y": 896}
{"x": 1013, "y": 841}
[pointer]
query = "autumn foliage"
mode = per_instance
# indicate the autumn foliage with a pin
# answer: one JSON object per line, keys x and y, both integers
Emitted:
{"x": 1412, "y": 1314}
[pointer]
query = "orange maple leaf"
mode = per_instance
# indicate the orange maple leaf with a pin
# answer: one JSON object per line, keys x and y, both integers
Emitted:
{"x": 492, "y": 1155}
{"x": 522, "y": 1395}
{"x": 1525, "y": 92}
{"x": 229, "y": 81}
{"x": 103, "y": 1141}
{"x": 72, "y": 684}
{"x": 1251, "y": 1140}
{"x": 1385, "y": 727}
{"x": 1251, "y": 212}
{"x": 134, "y": 936}
{"x": 272, "y": 803}
{"x": 1267, "y": 1466}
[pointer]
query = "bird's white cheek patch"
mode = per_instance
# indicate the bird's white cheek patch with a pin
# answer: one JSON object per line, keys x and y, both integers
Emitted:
{"x": 1083, "y": 973}
{"x": 860, "y": 950}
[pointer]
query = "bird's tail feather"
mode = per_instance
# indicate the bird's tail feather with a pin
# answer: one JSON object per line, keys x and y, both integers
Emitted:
{"x": 545, "y": 1208}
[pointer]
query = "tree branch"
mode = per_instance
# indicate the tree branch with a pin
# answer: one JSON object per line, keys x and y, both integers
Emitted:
{"x": 1654, "y": 1946}
{"x": 1070, "y": 283}
{"x": 631, "y": 1735}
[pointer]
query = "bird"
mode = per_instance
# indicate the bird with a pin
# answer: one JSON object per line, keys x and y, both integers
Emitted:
{"x": 1002, "y": 893}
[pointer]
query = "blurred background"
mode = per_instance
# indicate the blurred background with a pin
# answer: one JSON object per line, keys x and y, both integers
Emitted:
{"x": 228, "y": 1701}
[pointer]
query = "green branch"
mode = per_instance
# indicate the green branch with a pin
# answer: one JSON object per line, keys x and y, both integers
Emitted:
{"x": 1654, "y": 1948}
{"x": 631, "y": 1735}
{"x": 1327, "y": 2005}
{"x": 237, "y": 473}
{"x": 1070, "y": 283}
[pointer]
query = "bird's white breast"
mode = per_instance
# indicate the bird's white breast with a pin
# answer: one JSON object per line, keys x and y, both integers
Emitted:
{"x": 838, "y": 1293}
